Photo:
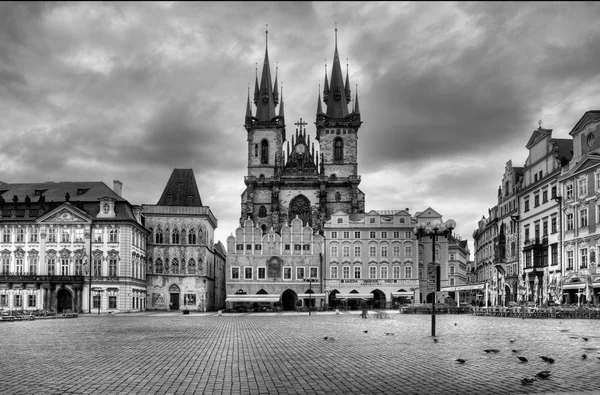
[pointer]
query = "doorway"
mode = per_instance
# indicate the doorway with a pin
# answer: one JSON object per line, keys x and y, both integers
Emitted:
{"x": 64, "y": 300}
{"x": 174, "y": 297}
{"x": 288, "y": 300}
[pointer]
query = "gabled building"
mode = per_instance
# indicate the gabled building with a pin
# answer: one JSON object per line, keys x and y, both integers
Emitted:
{"x": 71, "y": 246}
{"x": 580, "y": 206}
{"x": 185, "y": 268}
{"x": 539, "y": 235}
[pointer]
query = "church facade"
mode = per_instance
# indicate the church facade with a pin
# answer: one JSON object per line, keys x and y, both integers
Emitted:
{"x": 292, "y": 189}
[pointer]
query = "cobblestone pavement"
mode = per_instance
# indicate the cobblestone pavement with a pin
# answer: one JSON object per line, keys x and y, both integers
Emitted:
{"x": 169, "y": 353}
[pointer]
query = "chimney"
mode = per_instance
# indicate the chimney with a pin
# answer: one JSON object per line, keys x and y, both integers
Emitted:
{"x": 118, "y": 187}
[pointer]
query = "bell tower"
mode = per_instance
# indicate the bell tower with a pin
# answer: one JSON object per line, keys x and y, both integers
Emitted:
{"x": 266, "y": 136}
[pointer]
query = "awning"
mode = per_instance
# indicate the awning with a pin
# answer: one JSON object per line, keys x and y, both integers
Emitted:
{"x": 469, "y": 287}
{"x": 314, "y": 296}
{"x": 402, "y": 294}
{"x": 574, "y": 286}
{"x": 252, "y": 298}
{"x": 354, "y": 296}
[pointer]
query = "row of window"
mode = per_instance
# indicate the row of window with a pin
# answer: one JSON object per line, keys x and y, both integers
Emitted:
{"x": 584, "y": 258}
{"x": 539, "y": 257}
{"x": 261, "y": 273}
{"x": 286, "y": 247}
{"x": 408, "y": 251}
{"x": 174, "y": 267}
{"x": 373, "y": 272}
{"x": 66, "y": 235}
{"x": 582, "y": 187}
{"x": 372, "y": 234}
{"x": 159, "y": 237}
{"x": 536, "y": 198}
{"x": 18, "y": 300}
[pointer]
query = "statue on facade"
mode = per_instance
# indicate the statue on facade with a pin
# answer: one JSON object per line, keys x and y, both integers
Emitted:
{"x": 15, "y": 200}
{"x": 27, "y": 201}
{"x": 67, "y": 197}
{"x": 2, "y": 201}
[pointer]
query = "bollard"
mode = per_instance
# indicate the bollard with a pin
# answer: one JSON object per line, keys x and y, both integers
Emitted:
{"x": 337, "y": 311}
{"x": 220, "y": 313}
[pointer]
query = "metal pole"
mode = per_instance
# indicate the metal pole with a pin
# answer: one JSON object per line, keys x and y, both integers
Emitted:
{"x": 433, "y": 237}
{"x": 309, "y": 294}
{"x": 99, "y": 301}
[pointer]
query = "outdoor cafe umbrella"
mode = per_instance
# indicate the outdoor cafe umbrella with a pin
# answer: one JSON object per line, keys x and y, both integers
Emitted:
{"x": 545, "y": 287}
{"x": 536, "y": 287}
{"x": 558, "y": 289}
{"x": 588, "y": 289}
{"x": 520, "y": 289}
{"x": 527, "y": 287}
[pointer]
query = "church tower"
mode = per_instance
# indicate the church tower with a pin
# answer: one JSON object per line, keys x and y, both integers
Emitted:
{"x": 285, "y": 184}
{"x": 337, "y": 133}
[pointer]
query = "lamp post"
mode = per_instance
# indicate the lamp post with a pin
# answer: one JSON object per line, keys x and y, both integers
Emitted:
{"x": 435, "y": 229}
{"x": 310, "y": 280}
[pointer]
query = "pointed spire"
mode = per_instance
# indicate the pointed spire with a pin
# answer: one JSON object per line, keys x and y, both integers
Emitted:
{"x": 326, "y": 86}
{"x": 319, "y": 108}
{"x": 281, "y": 105}
{"x": 338, "y": 107}
{"x": 356, "y": 109}
{"x": 347, "y": 85}
{"x": 248, "y": 108}
{"x": 256, "y": 86}
{"x": 265, "y": 109}
{"x": 275, "y": 89}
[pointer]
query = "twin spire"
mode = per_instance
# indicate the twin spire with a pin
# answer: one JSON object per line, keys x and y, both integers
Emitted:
{"x": 336, "y": 95}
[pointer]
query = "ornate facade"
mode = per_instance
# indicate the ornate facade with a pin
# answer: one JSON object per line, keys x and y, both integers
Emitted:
{"x": 80, "y": 247}
{"x": 301, "y": 182}
{"x": 184, "y": 270}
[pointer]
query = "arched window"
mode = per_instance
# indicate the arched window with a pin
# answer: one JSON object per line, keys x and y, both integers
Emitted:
{"x": 264, "y": 228}
{"x": 338, "y": 196}
{"x": 159, "y": 237}
{"x": 300, "y": 206}
{"x": 338, "y": 147}
{"x": 191, "y": 266}
{"x": 175, "y": 266}
{"x": 175, "y": 237}
{"x": 264, "y": 152}
{"x": 262, "y": 211}
{"x": 158, "y": 267}
{"x": 192, "y": 237}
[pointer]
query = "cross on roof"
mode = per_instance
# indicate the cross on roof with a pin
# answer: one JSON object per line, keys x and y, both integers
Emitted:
{"x": 301, "y": 123}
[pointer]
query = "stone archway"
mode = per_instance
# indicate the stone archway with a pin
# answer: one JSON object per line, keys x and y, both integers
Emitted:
{"x": 288, "y": 300}
{"x": 378, "y": 299}
{"x": 333, "y": 302}
{"x": 174, "y": 293}
{"x": 64, "y": 300}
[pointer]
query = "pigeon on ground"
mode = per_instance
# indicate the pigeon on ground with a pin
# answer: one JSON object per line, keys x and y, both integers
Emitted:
{"x": 435, "y": 340}
{"x": 511, "y": 340}
{"x": 492, "y": 350}
{"x": 523, "y": 359}
{"x": 460, "y": 360}
{"x": 516, "y": 351}
{"x": 389, "y": 334}
{"x": 547, "y": 359}
{"x": 584, "y": 356}
{"x": 544, "y": 374}
{"x": 527, "y": 380}
{"x": 455, "y": 324}
{"x": 585, "y": 338}
{"x": 365, "y": 331}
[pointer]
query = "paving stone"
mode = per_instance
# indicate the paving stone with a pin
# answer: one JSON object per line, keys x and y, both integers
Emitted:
{"x": 286, "y": 354}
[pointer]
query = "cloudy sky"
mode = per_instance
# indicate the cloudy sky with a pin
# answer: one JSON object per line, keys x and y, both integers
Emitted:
{"x": 449, "y": 92}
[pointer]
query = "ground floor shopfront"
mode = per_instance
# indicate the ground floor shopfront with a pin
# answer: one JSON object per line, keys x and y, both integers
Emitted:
{"x": 33, "y": 292}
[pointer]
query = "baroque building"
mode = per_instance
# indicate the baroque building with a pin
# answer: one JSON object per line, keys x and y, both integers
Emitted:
{"x": 301, "y": 181}
{"x": 185, "y": 268}
{"x": 580, "y": 209}
{"x": 79, "y": 247}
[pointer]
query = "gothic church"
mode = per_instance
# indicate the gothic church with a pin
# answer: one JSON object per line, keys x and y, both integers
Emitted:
{"x": 287, "y": 181}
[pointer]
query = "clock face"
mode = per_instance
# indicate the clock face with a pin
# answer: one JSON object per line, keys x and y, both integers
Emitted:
{"x": 106, "y": 208}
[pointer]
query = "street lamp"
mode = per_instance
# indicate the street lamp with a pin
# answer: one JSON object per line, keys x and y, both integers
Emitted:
{"x": 99, "y": 295}
{"x": 435, "y": 229}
